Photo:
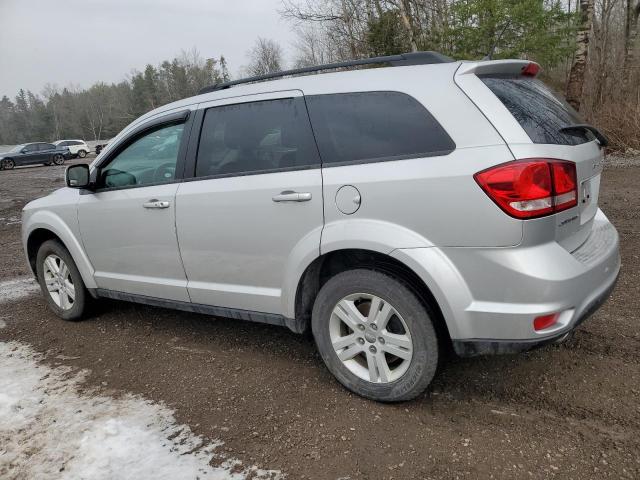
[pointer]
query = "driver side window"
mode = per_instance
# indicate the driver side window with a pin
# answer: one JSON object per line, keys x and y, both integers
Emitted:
{"x": 150, "y": 159}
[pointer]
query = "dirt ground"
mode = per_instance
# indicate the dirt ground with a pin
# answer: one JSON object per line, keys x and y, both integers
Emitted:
{"x": 569, "y": 411}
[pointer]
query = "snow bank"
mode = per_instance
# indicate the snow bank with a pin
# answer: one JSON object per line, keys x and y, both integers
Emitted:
{"x": 49, "y": 430}
{"x": 17, "y": 288}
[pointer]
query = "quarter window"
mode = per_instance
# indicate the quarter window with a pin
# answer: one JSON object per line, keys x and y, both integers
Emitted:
{"x": 374, "y": 126}
{"x": 256, "y": 137}
{"x": 151, "y": 159}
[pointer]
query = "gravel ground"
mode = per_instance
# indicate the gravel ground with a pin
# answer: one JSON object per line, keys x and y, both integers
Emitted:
{"x": 569, "y": 411}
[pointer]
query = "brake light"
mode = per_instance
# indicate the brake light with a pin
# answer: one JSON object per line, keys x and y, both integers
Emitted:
{"x": 531, "y": 188}
{"x": 530, "y": 70}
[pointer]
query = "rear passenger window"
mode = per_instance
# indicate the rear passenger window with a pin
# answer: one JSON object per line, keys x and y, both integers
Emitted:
{"x": 256, "y": 137}
{"x": 375, "y": 126}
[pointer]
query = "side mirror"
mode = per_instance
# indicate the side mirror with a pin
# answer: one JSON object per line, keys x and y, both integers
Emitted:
{"x": 77, "y": 176}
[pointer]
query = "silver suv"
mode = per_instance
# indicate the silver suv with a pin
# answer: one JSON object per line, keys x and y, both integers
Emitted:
{"x": 396, "y": 212}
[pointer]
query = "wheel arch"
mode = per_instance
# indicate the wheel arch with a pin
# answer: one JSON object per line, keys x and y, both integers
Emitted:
{"x": 55, "y": 229}
{"x": 323, "y": 267}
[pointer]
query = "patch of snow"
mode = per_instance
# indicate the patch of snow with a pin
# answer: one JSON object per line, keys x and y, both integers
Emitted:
{"x": 3, "y": 324}
{"x": 17, "y": 288}
{"x": 49, "y": 430}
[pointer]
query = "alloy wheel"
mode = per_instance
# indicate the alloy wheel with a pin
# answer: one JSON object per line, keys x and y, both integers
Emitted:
{"x": 58, "y": 159}
{"x": 8, "y": 164}
{"x": 57, "y": 278}
{"x": 371, "y": 338}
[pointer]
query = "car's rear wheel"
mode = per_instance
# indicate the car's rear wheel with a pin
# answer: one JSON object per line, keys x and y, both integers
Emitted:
{"x": 58, "y": 159}
{"x": 60, "y": 281}
{"x": 375, "y": 336}
{"x": 7, "y": 164}
{"x": 82, "y": 153}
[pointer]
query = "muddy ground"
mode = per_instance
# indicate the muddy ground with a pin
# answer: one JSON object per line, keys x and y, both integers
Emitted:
{"x": 569, "y": 411}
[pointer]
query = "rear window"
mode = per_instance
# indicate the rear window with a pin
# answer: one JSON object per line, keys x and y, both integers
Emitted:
{"x": 537, "y": 109}
{"x": 373, "y": 127}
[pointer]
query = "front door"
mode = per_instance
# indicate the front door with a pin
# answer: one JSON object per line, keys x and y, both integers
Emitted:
{"x": 253, "y": 208}
{"x": 128, "y": 223}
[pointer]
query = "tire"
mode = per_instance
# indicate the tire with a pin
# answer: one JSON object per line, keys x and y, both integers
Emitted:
{"x": 410, "y": 325}
{"x": 57, "y": 159}
{"x": 7, "y": 164}
{"x": 82, "y": 153}
{"x": 51, "y": 250}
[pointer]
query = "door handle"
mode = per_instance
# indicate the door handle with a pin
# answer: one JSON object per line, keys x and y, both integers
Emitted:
{"x": 156, "y": 204}
{"x": 290, "y": 196}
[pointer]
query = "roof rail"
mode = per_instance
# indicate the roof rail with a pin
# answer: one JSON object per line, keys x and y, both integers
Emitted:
{"x": 403, "y": 59}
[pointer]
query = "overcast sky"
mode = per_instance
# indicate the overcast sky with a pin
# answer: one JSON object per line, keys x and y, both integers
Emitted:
{"x": 79, "y": 42}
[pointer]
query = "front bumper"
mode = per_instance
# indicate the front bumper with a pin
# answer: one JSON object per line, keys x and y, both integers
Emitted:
{"x": 489, "y": 297}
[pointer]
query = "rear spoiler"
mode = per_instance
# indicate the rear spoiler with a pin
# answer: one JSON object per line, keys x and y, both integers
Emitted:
{"x": 499, "y": 67}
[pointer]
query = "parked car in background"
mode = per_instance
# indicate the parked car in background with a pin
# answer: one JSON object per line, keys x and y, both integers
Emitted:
{"x": 99, "y": 147}
{"x": 34, "y": 153}
{"x": 78, "y": 148}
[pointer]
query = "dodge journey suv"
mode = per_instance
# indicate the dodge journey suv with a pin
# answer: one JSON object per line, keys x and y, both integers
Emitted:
{"x": 396, "y": 212}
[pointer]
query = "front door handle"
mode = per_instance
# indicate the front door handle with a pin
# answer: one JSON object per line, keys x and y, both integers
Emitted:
{"x": 291, "y": 196}
{"x": 156, "y": 204}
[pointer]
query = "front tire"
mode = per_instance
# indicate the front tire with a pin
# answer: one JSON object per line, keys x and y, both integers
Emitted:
{"x": 60, "y": 281}
{"x": 7, "y": 164}
{"x": 58, "y": 159}
{"x": 82, "y": 153}
{"x": 375, "y": 336}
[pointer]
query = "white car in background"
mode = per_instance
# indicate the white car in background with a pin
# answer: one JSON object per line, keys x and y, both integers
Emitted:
{"x": 78, "y": 148}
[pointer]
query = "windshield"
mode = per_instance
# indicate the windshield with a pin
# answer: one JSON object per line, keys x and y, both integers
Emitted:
{"x": 17, "y": 148}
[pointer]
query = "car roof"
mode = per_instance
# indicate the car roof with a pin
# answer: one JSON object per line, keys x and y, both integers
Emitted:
{"x": 382, "y": 79}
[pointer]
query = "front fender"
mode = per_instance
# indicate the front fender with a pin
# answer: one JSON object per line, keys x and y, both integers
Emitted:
{"x": 48, "y": 220}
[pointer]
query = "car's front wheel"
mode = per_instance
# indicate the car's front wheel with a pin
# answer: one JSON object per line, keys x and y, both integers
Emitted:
{"x": 82, "y": 153}
{"x": 60, "y": 281}
{"x": 7, "y": 164}
{"x": 375, "y": 336}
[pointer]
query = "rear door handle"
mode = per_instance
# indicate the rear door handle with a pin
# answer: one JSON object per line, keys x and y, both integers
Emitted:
{"x": 155, "y": 204}
{"x": 291, "y": 196}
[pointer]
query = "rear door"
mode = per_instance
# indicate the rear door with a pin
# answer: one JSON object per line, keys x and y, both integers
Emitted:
{"x": 530, "y": 116}
{"x": 252, "y": 210}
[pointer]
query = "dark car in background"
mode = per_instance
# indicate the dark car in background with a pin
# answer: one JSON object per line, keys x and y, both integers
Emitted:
{"x": 34, "y": 153}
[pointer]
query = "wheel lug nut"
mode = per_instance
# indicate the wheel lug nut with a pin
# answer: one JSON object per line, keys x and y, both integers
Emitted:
{"x": 374, "y": 326}
{"x": 381, "y": 340}
{"x": 361, "y": 341}
{"x": 372, "y": 349}
{"x": 360, "y": 327}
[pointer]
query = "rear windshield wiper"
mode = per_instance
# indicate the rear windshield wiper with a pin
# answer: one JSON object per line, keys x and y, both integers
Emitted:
{"x": 580, "y": 128}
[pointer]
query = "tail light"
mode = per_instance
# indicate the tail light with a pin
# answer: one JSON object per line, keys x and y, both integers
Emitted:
{"x": 531, "y": 188}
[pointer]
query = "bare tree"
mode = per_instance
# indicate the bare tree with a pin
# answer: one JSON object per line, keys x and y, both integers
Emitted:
{"x": 575, "y": 85}
{"x": 265, "y": 57}
{"x": 631, "y": 37}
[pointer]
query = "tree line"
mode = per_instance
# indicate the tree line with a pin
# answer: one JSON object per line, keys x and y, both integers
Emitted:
{"x": 102, "y": 110}
{"x": 588, "y": 50}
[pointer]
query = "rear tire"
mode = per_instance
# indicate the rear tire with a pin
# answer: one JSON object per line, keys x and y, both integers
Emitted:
{"x": 356, "y": 350}
{"x": 58, "y": 159}
{"x": 61, "y": 282}
{"x": 82, "y": 153}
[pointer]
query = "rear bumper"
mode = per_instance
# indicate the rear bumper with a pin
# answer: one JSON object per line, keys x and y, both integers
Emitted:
{"x": 489, "y": 297}
{"x": 472, "y": 348}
